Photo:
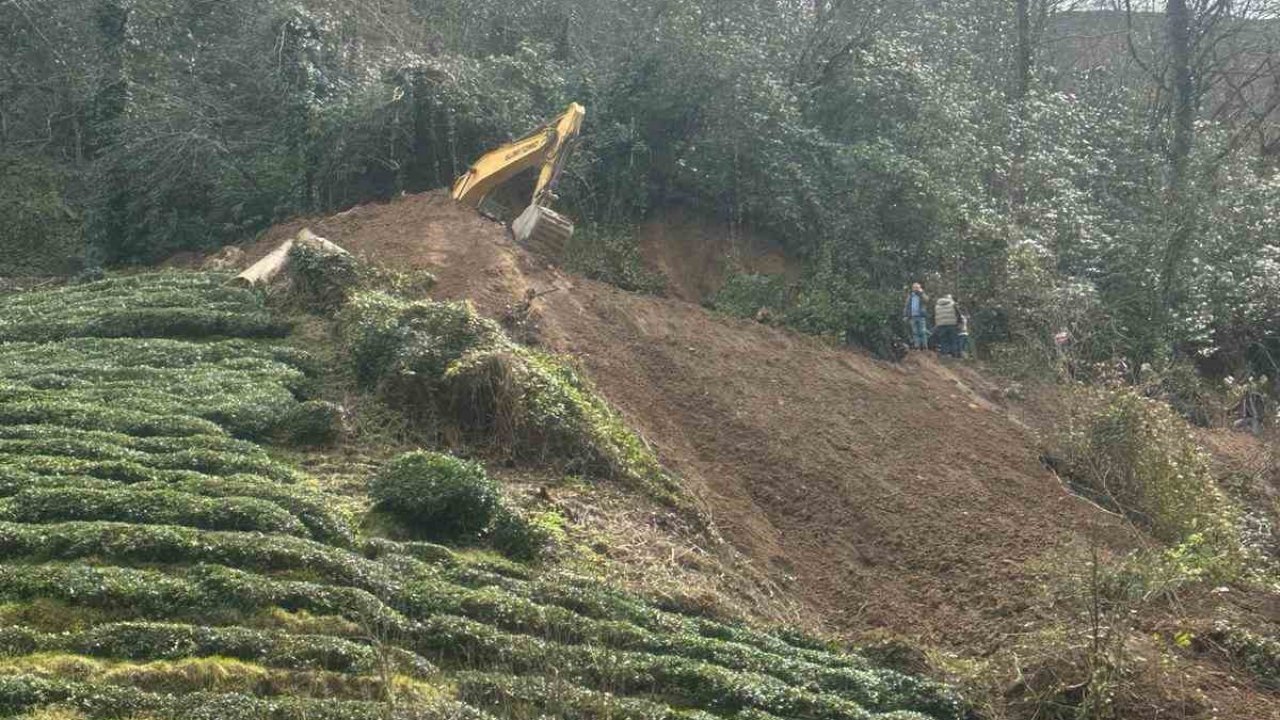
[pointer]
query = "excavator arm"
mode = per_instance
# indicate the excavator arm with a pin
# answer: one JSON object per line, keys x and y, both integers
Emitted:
{"x": 547, "y": 146}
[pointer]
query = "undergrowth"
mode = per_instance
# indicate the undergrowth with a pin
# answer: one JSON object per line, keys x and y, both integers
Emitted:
{"x": 449, "y": 367}
{"x": 1137, "y": 456}
{"x": 157, "y": 561}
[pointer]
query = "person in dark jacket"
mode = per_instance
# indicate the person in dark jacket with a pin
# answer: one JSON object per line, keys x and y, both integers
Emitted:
{"x": 962, "y": 336}
{"x": 916, "y": 312}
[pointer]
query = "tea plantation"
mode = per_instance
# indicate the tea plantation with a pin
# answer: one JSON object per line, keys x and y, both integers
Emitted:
{"x": 155, "y": 561}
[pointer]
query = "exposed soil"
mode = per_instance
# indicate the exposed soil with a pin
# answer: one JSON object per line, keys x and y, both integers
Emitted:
{"x": 696, "y": 255}
{"x": 885, "y": 495}
{"x": 895, "y": 496}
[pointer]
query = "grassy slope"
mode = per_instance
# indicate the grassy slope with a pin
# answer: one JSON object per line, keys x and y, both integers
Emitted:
{"x": 155, "y": 560}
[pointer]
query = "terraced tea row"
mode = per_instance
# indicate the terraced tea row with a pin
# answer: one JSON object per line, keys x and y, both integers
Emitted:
{"x": 152, "y": 305}
{"x": 156, "y": 563}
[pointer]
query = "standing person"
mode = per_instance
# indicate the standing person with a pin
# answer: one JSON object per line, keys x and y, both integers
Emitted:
{"x": 916, "y": 312}
{"x": 962, "y": 336}
{"x": 945, "y": 318}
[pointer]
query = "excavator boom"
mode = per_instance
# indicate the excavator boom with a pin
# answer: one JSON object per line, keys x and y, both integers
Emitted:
{"x": 545, "y": 146}
{"x": 548, "y": 147}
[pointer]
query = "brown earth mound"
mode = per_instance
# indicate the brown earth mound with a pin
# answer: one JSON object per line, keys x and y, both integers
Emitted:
{"x": 884, "y": 495}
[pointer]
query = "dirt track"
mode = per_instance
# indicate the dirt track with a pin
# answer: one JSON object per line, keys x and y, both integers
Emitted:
{"x": 885, "y": 495}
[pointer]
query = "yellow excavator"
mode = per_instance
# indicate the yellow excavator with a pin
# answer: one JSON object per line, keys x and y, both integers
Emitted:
{"x": 538, "y": 227}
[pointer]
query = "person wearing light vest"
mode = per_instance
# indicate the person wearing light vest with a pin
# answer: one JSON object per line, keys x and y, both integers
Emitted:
{"x": 946, "y": 316}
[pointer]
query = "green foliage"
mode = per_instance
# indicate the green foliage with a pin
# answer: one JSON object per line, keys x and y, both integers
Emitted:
{"x": 522, "y": 535}
{"x": 745, "y": 294}
{"x": 387, "y": 335}
{"x": 1259, "y": 653}
{"x": 851, "y": 314}
{"x": 21, "y": 693}
{"x": 146, "y": 386}
{"x": 315, "y": 422}
{"x": 612, "y": 255}
{"x": 445, "y": 363}
{"x": 171, "y": 641}
{"x": 161, "y": 507}
{"x": 322, "y": 280}
{"x": 39, "y": 233}
{"x": 1138, "y": 455}
{"x": 439, "y": 495}
{"x": 194, "y": 305}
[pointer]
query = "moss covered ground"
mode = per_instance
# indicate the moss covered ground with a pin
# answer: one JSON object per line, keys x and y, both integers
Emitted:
{"x": 158, "y": 560}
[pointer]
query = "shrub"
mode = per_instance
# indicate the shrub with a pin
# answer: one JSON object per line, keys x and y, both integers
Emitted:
{"x": 744, "y": 294}
{"x": 612, "y": 255}
{"x": 443, "y": 360}
{"x": 1138, "y": 455}
{"x": 522, "y": 535}
{"x": 371, "y": 330}
{"x": 387, "y": 336}
{"x": 441, "y": 495}
{"x": 24, "y": 693}
{"x": 315, "y": 422}
{"x": 1260, "y": 654}
{"x": 322, "y": 279}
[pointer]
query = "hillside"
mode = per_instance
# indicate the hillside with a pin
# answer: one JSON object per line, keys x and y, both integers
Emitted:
{"x": 158, "y": 561}
{"x": 883, "y": 495}
{"x": 906, "y": 497}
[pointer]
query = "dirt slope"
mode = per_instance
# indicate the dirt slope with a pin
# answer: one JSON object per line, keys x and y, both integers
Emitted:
{"x": 885, "y": 495}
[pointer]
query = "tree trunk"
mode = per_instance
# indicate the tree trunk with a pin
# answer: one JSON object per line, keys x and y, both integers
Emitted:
{"x": 1022, "y": 63}
{"x": 1178, "y": 27}
{"x": 1018, "y": 98}
{"x": 263, "y": 271}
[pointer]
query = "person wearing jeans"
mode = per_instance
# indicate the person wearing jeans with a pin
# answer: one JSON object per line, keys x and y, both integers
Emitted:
{"x": 916, "y": 312}
{"x": 946, "y": 316}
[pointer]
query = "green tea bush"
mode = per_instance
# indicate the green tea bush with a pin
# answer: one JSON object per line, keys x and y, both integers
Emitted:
{"x": 1137, "y": 454}
{"x": 541, "y": 409}
{"x": 128, "y": 543}
{"x": 24, "y": 693}
{"x": 563, "y": 699}
{"x": 322, "y": 517}
{"x": 171, "y": 641}
{"x": 202, "y": 593}
{"x": 521, "y": 535}
{"x": 156, "y": 305}
{"x": 372, "y": 333}
{"x": 158, "y": 507}
{"x": 315, "y": 422}
{"x": 202, "y": 460}
{"x": 441, "y": 495}
{"x": 90, "y": 416}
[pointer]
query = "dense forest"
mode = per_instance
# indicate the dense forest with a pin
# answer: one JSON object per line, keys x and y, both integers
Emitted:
{"x": 1102, "y": 167}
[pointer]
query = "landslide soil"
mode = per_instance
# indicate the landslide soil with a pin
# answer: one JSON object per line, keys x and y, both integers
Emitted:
{"x": 884, "y": 496}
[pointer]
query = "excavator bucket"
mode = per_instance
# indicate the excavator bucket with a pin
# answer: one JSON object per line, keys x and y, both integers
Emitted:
{"x": 542, "y": 230}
